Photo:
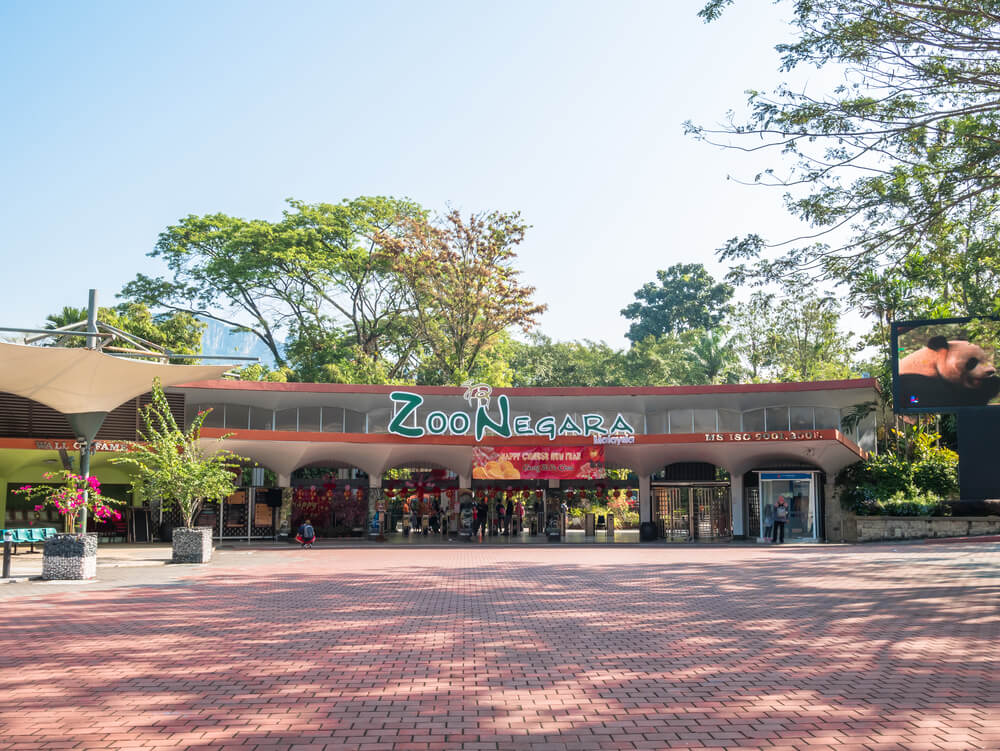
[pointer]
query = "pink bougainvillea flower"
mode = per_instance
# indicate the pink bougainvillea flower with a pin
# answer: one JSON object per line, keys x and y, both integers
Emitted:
{"x": 39, "y": 508}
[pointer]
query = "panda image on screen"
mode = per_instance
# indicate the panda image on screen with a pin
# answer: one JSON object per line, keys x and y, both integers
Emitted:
{"x": 945, "y": 373}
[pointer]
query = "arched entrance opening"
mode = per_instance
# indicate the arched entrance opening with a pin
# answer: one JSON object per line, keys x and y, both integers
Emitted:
{"x": 602, "y": 508}
{"x": 420, "y": 499}
{"x": 691, "y": 502}
{"x": 332, "y": 495}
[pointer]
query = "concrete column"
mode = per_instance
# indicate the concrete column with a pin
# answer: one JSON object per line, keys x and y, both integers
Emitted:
{"x": 645, "y": 500}
{"x": 465, "y": 481}
{"x": 736, "y": 505}
{"x": 553, "y": 484}
{"x": 836, "y": 521}
{"x": 284, "y": 481}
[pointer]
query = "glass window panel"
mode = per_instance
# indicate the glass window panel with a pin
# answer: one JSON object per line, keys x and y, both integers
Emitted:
{"x": 753, "y": 419}
{"x": 216, "y": 417}
{"x": 729, "y": 420}
{"x": 237, "y": 416}
{"x": 680, "y": 421}
{"x": 309, "y": 419}
{"x": 704, "y": 421}
{"x": 827, "y": 418}
{"x": 378, "y": 421}
{"x": 356, "y": 421}
{"x": 261, "y": 419}
{"x": 777, "y": 418}
{"x": 801, "y": 418}
{"x": 656, "y": 423}
{"x": 333, "y": 419}
{"x": 286, "y": 419}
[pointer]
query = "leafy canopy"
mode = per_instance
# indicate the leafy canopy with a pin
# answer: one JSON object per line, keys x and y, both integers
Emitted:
{"x": 686, "y": 297}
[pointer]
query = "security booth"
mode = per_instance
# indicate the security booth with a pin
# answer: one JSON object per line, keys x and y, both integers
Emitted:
{"x": 800, "y": 490}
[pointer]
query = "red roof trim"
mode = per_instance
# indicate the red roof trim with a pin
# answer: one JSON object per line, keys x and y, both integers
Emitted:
{"x": 348, "y": 388}
{"x": 776, "y": 437}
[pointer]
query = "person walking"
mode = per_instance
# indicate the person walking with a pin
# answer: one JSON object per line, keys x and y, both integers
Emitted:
{"x": 780, "y": 517}
{"x": 307, "y": 535}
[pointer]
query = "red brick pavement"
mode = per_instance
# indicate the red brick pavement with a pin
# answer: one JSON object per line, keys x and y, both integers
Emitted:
{"x": 486, "y": 648}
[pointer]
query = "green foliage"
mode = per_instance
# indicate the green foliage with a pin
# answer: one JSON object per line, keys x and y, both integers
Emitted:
{"x": 172, "y": 464}
{"x": 464, "y": 287}
{"x": 176, "y": 332}
{"x": 896, "y": 167}
{"x": 686, "y": 297}
{"x": 902, "y": 485}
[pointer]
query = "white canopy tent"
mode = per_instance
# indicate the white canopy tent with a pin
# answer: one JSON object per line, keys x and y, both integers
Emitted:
{"x": 86, "y": 384}
{"x": 79, "y": 380}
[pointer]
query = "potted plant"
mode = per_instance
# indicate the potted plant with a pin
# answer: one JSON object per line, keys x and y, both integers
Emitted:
{"x": 71, "y": 555}
{"x": 172, "y": 464}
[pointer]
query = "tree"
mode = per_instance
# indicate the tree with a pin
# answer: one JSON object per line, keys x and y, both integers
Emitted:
{"x": 224, "y": 269}
{"x": 687, "y": 297}
{"x": 754, "y": 333}
{"x": 172, "y": 464}
{"x": 317, "y": 278}
{"x": 896, "y": 167}
{"x": 336, "y": 251}
{"x": 713, "y": 360}
{"x": 462, "y": 282}
{"x": 176, "y": 332}
{"x": 808, "y": 343}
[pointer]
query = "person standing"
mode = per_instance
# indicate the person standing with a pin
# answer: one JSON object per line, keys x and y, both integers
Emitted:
{"x": 780, "y": 517}
{"x": 482, "y": 512}
{"x": 768, "y": 520}
{"x": 509, "y": 517}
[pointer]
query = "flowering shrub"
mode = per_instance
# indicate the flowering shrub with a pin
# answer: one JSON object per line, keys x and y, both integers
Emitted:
{"x": 74, "y": 494}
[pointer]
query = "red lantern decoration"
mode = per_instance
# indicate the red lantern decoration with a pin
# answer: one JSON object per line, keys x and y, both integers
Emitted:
{"x": 539, "y": 493}
{"x": 618, "y": 493}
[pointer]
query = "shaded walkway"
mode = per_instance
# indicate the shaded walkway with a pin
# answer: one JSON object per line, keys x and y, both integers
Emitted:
{"x": 504, "y": 648}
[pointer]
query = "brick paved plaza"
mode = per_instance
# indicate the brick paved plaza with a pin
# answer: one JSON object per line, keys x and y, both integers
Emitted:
{"x": 510, "y": 648}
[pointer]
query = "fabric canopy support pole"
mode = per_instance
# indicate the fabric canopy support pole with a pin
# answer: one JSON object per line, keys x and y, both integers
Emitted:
{"x": 85, "y": 425}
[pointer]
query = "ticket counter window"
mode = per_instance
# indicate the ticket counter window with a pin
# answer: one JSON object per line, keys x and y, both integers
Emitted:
{"x": 798, "y": 490}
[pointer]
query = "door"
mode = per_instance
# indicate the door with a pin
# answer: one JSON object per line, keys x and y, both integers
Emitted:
{"x": 693, "y": 512}
{"x": 798, "y": 489}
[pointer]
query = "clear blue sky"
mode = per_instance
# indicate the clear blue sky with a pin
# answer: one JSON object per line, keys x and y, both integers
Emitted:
{"x": 120, "y": 118}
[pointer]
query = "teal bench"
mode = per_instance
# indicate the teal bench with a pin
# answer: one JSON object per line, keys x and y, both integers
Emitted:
{"x": 28, "y": 536}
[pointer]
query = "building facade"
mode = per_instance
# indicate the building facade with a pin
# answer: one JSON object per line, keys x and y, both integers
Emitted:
{"x": 697, "y": 462}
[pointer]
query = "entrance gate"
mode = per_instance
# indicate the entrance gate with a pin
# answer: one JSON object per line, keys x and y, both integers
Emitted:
{"x": 693, "y": 512}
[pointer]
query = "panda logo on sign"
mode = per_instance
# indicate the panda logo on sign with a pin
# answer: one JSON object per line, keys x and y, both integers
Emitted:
{"x": 945, "y": 373}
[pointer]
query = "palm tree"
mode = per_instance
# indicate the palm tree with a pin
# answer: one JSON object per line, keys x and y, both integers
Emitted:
{"x": 713, "y": 360}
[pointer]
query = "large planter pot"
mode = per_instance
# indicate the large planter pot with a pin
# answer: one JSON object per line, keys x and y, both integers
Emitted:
{"x": 192, "y": 544}
{"x": 70, "y": 557}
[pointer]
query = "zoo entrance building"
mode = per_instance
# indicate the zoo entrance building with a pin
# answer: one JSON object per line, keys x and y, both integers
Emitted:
{"x": 694, "y": 462}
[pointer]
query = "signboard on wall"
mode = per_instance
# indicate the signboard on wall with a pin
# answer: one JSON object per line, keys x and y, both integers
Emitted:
{"x": 538, "y": 463}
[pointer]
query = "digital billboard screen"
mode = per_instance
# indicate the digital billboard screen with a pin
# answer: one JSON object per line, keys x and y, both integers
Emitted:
{"x": 946, "y": 364}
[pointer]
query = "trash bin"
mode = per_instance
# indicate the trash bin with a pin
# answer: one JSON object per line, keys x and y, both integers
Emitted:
{"x": 647, "y": 532}
{"x": 589, "y": 524}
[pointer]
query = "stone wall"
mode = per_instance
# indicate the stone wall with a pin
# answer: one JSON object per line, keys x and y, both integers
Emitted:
{"x": 192, "y": 545}
{"x": 70, "y": 557}
{"x": 875, "y": 528}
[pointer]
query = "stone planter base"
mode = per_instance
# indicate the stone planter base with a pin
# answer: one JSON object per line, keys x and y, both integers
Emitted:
{"x": 70, "y": 557}
{"x": 192, "y": 544}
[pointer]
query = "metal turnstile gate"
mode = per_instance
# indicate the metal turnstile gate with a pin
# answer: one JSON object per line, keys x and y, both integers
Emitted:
{"x": 693, "y": 512}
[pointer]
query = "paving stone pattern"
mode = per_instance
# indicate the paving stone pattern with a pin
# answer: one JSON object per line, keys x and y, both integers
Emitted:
{"x": 517, "y": 648}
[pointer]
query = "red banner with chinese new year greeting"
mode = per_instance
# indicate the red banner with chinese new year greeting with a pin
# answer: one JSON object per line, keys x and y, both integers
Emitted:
{"x": 538, "y": 463}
